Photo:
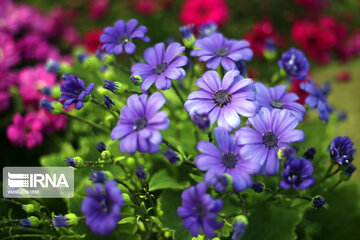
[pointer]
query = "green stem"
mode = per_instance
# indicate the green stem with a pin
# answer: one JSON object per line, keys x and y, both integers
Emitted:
{"x": 94, "y": 125}
{"x": 243, "y": 203}
{"x": 133, "y": 92}
{"x": 125, "y": 185}
{"x": 102, "y": 105}
{"x": 327, "y": 173}
{"x": 178, "y": 93}
{"x": 210, "y": 136}
{"x": 28, "y": 235}
{"x": 334, "y": 186}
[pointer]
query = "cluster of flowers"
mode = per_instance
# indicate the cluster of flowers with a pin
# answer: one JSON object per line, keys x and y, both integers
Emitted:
{"x": 256, "y": 147}
{"x": 25, "y": 47}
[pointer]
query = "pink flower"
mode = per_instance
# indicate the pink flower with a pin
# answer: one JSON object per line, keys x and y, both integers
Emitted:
{"x": 9, "y": 55}
{"x": 4, "y": 101}
{"x": 146, "y": 7}
{"x": 199, "y": 12}
{"x": 25, "y": 131}
{"x": 98, "y": 8}
{"x": 31, "y": 81}
{"x": 6, "y": 80}
{"x": 51, "y": 122}
{"x": 35, "y": 47}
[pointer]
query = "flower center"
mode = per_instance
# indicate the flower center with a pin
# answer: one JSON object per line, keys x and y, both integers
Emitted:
{"x": 221, "y": 97}
{"x": 277, "y": 104}
{"x": 160, "y": 68}
{"x": 270, "y": 140}
{"x": 222, "y": 52}
{"x": 123, "y": 39}
{"x": 105, "y": 206}
{"x": 294, "y": 177}
{"x": 201, "y": 210}
{"x": 229, "y": 160}
{"x": 140, "y": 123}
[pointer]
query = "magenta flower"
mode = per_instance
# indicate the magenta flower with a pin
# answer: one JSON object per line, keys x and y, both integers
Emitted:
{"x": 25, "y": 131}
{"x": 9, "y": 55}
{"x": 161, "y": 66}
{"x": 140, "y": 122}
{"x": 223, "y": 100}
{"x": 272, "y": 130}
{"x": 31, "y": 81}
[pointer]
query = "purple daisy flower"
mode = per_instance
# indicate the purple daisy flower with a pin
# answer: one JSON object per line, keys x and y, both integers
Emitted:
{"x": 298, "y": 174}
{"x": 272, "y": 131}
{"x": 102, "y": 207}
{"x": 316, "y": 99}
{"x": 73, "y": 91}
{"x": 199, "y": 210}
{"x": 295, "y": 63}
{"x": 277, "y": 97}
{"x": 140, "y": 122}
{"x": 161, "y": 66}
{"x": 117, "y": 38}
{"x": 223, "y": 101}
{"x": 342, "y": 151}
{"x": 216, "y": 49}
{"x": 225, "y": 159}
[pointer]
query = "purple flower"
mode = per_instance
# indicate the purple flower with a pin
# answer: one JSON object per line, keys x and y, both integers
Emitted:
{"x": 140, "y": 122}
{"x": 161, "y": 66}
{"x": 60, "y": 221}
{"x": 219, "y": 181}
{"x": 258, "y": 187}
{"x": 199, "y": 210}
{"x": 216, "y": 49}
{"x": 140, "y": 173}
{"x": 223, "y": 101}
{"x": 102, "y": 207}
{"x": 277, "y": 97}
{"x": 239, "y": 230}
{"x": 207, "y": 29}
{"x": 272, "y": 130}
{"x": 73, "y": 91}
{"x": 225, "y": 159}
{"x": 310, "y": 152}
{"x": 350, "y": 170}
{"x": 318, "y": 201}
{"x": 200, "y": 119}
{"x": 97, "y": 177}
{"x": 101, "y": 146}
{"x": 342, "y": 151}
{"x": 117, "y": 38}
{"x": 295, "y": 63}
{"x": 171, "y": 156}
{"x": 316, "y": 99}
{"x": 297, "y": 173}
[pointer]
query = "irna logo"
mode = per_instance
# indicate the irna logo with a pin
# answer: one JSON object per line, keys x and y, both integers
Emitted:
{"x": 37, "y": 179}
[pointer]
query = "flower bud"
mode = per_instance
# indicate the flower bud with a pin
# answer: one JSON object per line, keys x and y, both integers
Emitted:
{"x": 31, "y": 221}
{"x": 239, "y": 226}
{"x": 136, "y": 80}
{"x": 318, "y": 201}
{"x": 140, "y": 173}
{"x": 52, "y": 66}
{"x": 258, "y": 187}
{"x": 68, "y": 220}
{"x": 74, "y": 162}
{"x": 51, "y": 106}
{"x": 188, "y": 36}
{"x": 101, "y": 146}
{"x": 287, "y": 152}
{"x": 110, "y": 104}
{"x": 29, "y": 208}
{"x": 114, "y": 87}
{"x": 309, "y": 154}
{"x": 105, "y": 155}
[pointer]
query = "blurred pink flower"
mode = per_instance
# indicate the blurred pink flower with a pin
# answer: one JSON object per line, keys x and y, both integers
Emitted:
{"x": 98, "y": 8}
{"x": 34, "y": 46}
{"x": 25, "y": 131}
{"x": 6, "y": 80}
{"x": 4, "y": 101}
{"x": 51, "y": 122}
{"x": 9, "y": 55}
{"x": 31, "y": 81}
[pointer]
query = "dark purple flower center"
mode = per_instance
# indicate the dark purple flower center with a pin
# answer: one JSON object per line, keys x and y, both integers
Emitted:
{"x": 105, "y": 206}
{"x": 270, "y": 140}
{"x": 140, "y": 123}
{"x": 200, "y": 210}
{"x": 123, "y": 39}
{"x": 294, "y": 177}
{"x": 221, "y": 97}
{"x": 160, "y": 68}
{"x": 277, "y": 104}
{"x": 222, "y": 52}
{"x": 229, "y": 160}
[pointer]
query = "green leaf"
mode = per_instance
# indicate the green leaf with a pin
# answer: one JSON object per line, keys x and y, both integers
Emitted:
{"x": 127, "y": 220}
{"x": 169, "y": 201}
{"x": 196, "y": 177}
{"x": 272, "y": 222}
{"x": 162, "y": 180}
